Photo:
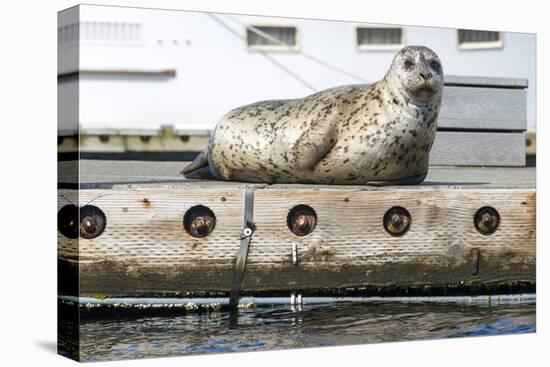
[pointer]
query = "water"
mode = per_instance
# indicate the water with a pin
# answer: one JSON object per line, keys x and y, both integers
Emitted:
{"x": 280, "y": 327}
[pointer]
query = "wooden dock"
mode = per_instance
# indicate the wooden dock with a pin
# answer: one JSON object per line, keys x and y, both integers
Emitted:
{"x": 463, "y": 230}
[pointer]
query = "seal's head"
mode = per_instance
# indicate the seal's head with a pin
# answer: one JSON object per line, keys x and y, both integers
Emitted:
{"x": 418, "y": 72}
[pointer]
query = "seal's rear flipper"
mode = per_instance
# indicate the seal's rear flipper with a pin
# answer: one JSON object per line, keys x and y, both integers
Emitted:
{"x": 198, "y": 168}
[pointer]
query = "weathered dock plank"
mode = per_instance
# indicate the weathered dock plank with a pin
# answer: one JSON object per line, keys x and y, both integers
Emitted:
{"x": 94, "y": 173}
{"x": 145, "y": 251}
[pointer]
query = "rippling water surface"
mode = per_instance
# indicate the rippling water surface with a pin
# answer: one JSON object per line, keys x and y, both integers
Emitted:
{"x": 280, "y": 327}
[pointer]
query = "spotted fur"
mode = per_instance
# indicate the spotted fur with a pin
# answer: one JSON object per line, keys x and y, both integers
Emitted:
{"x": 356, "y": 134}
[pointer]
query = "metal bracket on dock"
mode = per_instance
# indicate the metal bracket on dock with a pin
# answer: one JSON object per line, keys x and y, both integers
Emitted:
{"x": 295, "y": 299}
{"x": 296, "y": 302}
{"x": 246, "y": 236}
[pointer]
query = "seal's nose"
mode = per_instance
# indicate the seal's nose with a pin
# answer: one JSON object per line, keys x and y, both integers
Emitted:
{"x": 426, "y": 76}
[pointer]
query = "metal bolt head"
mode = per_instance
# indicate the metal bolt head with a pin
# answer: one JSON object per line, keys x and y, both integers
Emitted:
{"x": 88, "y": 225}
{"x": 397, "y": 221}
{"x": 92, "y": 221}
{"x": 302, "y": 220}
{"x": 202, "y": 226}
{"x": 487, "y": 220}
{"x": 199, "y": 221}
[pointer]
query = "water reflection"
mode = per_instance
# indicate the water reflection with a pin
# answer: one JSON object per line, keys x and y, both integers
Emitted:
{"x": 280, "y": 327}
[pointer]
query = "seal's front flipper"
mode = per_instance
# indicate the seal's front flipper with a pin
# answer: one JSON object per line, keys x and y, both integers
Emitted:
{"x": 314, "y": 144}
{"x": 198, "y": 168}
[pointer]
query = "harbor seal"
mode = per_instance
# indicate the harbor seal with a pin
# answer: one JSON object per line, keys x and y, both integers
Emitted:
{"x": 377, "y": 133}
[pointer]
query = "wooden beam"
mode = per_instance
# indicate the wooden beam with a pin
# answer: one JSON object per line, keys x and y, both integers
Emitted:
{"x": 145, "y": 250}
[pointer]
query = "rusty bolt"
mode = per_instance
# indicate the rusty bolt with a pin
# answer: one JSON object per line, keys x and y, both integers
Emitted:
{"x": 397, "y": 221}
{"x": 199, "y": 221}
{"x": 144, "y": 138}
{"x": 486, "y": 220}
{"x": 202, "y": 226}
{"x": 67, "y": 221}
{"x": 184, "y": 138}
{"x": 89, "y": 225}
{"x": 301, "y": 220}
{"x": 92, "y": 222}
{"x": 104, "y": 138}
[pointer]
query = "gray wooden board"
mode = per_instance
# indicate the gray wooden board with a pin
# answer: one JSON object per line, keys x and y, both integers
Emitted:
{"x": 167, "y": 174}
{"x": 478, "y": 149}
{"x": 483, "y": 108}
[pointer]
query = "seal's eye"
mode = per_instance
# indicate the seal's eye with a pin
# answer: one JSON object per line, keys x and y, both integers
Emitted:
{"x": 409, "y": 64}
{"x": 436, "y": 66}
